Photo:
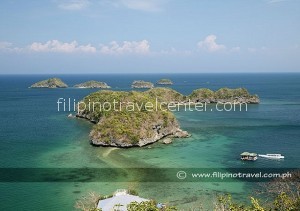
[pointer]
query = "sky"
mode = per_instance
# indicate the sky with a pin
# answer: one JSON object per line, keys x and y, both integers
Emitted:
{"x": 149, "y": 36}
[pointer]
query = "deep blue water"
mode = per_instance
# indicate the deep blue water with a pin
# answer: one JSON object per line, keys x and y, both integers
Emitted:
{"x": 34, "y": 134}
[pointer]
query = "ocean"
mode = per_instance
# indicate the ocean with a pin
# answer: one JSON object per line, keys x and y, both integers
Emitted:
{"x": 33, "y": 134}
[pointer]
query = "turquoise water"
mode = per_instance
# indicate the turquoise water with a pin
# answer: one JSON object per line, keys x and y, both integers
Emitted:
{"x": 34, "y": 135}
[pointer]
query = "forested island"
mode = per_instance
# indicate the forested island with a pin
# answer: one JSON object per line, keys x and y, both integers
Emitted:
{"x": 140, "y": 126}
{"x": 50, "y": 83}
{"x": 223, "y": 95}
{"x": 124, "y": 128}
{"x": 92, "y": 84}
{"x": 140, "y": 84}
{"x": 164, "y": 81}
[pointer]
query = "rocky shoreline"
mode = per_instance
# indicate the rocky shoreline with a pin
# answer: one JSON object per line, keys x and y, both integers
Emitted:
{"x": 170, "y": 133}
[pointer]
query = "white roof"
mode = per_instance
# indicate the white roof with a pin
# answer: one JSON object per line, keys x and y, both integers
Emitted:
{"x": 124, "y": 200}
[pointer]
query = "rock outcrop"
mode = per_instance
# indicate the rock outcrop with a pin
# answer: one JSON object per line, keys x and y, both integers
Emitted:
{"x": 167, "y": 140}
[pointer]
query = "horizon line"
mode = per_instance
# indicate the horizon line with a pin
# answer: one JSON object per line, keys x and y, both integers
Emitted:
{"x": 155, "y": 73}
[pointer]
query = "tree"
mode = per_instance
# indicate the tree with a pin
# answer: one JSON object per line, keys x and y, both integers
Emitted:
{"x": 147, "y": 206}
{"x": 285, "y": 191}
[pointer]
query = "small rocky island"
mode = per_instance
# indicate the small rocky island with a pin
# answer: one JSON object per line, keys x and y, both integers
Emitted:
{"x": 142, "y": 84}
{"x": 50, "y": 83}
{"x": 93, "y": 84}
{"x": 140, "y": 127}
{"x": 164, "y": 81}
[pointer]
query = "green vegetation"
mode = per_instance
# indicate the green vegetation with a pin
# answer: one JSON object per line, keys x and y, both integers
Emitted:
{"x": 93, "y": 84}
{"x": 147, "y": 206}
{"x": 132, "y": 192}
{"x": 129, "y": 122}
{"x": 126, "y": 119}
{"x": 166, "y": 95}
{"x": 142, "y": 84}
{"x": 226, "y": 93}
{"x": 283, "y": 202}
{"x": 202, "y": 93}
{"x": 50, "y": 83}
{"x": 283, "y": 194}
{"x": 240, "y": 94}
{"x": 164, "y": 81}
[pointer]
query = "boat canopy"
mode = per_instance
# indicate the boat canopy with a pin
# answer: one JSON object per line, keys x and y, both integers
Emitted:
{"x": 251, "y": 154}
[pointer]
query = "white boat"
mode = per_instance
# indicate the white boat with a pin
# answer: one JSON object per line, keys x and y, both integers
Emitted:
{"x": 272, "y": 156}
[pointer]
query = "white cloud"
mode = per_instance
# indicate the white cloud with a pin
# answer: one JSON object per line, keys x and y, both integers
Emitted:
{"x": 275, "y": 1}
{"x": 5, "y": 45}
{"x": 173, "y": 51}
{"x": 209, "y": 44}
{"x": 143, "y": 5}
{"x": 57, "y": 46}
{"x": 8, "y": 47}
{"x": 138, "y": 47}
{"x": 74, "y": 4}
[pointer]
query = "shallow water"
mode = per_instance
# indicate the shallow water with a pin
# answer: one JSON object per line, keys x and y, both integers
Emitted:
{"x": 34, "y": 135}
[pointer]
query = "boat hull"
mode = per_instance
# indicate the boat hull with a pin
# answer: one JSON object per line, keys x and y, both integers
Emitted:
{"x": 272, "y": 157}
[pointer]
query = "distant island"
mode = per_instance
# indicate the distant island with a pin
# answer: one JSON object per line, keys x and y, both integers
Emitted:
{"x": 141, "y": 127}
{"x": 164, "y": 81}
{"x": 93, "y": 84}
{"x": 50, "y": 83}
{"x": 142, "y": 84}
